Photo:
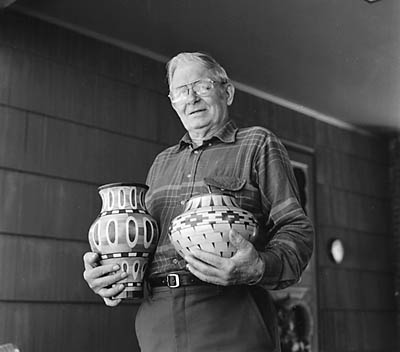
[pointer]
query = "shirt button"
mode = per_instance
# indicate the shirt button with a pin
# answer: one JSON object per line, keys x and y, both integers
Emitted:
{"x": 189, "y": 175}
{"x": 209, "y": 144}
{"x": 183, "y": 202}
{"x": 175, "y": 261}
{"x": 196, "y": 152}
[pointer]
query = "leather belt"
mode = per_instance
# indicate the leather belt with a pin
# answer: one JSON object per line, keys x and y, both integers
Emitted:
{"x": 175, "y": 280}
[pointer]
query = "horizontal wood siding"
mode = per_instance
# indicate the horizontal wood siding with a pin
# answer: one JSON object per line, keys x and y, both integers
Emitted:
{"x": 49, "y": 326}
{"x": 74, "y": 114}
{"x": 356, "y": 297}
{"x": 46, "y": 270}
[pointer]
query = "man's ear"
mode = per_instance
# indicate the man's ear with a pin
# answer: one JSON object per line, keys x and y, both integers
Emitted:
{"x": 230, "y": 91}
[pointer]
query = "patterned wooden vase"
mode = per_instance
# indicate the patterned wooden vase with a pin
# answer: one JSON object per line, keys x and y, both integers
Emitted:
{"x": 125, "y": 234}
{"x": 206, "y": 222}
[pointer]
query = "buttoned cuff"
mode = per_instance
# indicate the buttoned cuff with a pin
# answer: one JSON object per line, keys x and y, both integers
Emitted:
{"x": 260, "y": 268}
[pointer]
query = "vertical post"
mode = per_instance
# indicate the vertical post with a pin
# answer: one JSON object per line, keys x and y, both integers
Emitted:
{"x": 395, "y": 191}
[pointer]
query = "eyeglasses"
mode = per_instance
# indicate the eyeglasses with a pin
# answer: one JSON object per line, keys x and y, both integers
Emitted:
{"x": 202, "y": 88}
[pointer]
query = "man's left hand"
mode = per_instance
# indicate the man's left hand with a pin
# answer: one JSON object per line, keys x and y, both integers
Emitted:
{"x": 244, "y": 267}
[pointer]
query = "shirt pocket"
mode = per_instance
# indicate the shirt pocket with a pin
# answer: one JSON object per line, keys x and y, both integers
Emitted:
{"x": 224, "y": 184}
{"x": 247, "y": 196}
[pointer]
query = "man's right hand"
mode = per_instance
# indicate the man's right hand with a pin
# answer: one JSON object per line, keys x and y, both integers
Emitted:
{"x": 100, "y": 278}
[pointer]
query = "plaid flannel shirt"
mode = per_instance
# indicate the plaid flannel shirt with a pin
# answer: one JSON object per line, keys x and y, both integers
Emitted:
{"x": 252, "y": 164}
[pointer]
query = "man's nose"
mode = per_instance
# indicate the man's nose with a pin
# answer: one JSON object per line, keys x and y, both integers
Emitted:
{"x": 192, "y": 95}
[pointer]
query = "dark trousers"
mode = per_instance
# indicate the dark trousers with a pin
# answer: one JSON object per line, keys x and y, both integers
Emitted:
{"x": 207, "y": 319}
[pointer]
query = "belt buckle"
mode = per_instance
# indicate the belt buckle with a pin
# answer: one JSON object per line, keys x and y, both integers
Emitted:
{"x": 173, "y": 281}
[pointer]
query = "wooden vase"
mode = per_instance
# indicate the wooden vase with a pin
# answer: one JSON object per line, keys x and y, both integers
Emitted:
{"x": 125, "y": 234}
{"x": 206, "y": 222}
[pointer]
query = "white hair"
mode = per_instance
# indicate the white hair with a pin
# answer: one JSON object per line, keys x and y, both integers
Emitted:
{"x": 203, "y": 59}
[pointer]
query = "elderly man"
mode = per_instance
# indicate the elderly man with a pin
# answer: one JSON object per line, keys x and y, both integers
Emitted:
{"x": 221, "y": 304}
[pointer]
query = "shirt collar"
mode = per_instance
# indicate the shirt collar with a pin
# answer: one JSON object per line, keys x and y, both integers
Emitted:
{"x": 226, "y": 134}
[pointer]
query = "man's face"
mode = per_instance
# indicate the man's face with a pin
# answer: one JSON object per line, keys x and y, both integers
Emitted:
{"x": 201, "y": 115}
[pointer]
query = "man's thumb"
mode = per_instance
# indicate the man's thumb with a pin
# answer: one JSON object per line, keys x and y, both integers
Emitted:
{"x": 237, "y": 240}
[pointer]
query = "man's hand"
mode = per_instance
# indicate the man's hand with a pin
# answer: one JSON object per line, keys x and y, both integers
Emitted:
{"x": 245, "y": 267}
{"x": 101, "y": 277}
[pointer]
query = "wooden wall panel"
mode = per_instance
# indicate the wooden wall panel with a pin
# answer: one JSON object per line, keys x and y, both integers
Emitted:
{"x": 124, "y": 108}
{"x": 347, "y": 331}
{"x": 39, "y": 269}
{"x": 42, "y": 206}
{"x": 5, "y": 72}
{"x": 12, "y": 136}
{"x": 42, "y": 86}
{"x": 352, "y": 210}
{"x": 356, "y": 297}
{"x": 92, "y": 155}
{"x": 72, "y": 49}
{"x": 170, "y": 129}
{"x": 340, "y": 331}
{"x": 378, "y": 331}
{"x": 37, "y": 205}
{"x": 74, "y": 113}
{"x": 286, "y": 124}
{"x": 55, "y": 147}
{"x": 363, "y": 251}
{"x": 371, "y": 147}
{"x": 355, "y": 289}
{"x": 251, "y": 110}
{"x": 38, "y": 327}
{"x": 351, "y": 173}
{"x": 294, "y": 126}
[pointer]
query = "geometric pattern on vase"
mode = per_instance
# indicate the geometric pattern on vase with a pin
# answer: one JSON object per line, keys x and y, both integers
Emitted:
{"x": 125, "y": 234}
{"x": 206, "y": 222}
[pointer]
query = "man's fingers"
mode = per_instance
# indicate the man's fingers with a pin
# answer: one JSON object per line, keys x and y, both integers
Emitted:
{"x": 212, "y": 276}
{"x": 242, "y": 267}
{"x": 111, "y": 302}
{"x": 107, "y": 295}
{"x": 103, "y": 270}
{"x": 218, "y": 275}
{"x": 103, "y": 279}
{"x": 200, "y": 265}
{"x": 107, "y": 280}
{"x": 112, "y": 291}
{"x": 93, "y": 273}
{"x": 90, "y": 260}
{"x": 206, "y": 257}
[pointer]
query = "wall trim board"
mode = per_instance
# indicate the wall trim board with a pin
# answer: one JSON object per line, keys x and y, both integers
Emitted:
{"x": 92, "y": 34}
{"x": 297, "y": 147}
{"x": 43, "y": 237}
{"x": 163, "y": 59}
{"x": 48, "y": 176}
{"x": 300, "y": 108}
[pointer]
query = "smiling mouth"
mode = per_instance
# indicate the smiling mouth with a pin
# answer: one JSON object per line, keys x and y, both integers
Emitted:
{"x": 196, "y": 111}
